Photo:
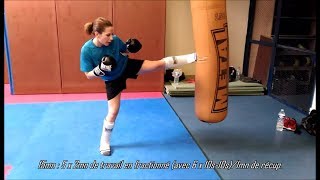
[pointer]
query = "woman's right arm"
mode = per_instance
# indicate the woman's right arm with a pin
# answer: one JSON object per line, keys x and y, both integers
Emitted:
{"x": 96, "y": 72}
{"x": 90, "y": 75}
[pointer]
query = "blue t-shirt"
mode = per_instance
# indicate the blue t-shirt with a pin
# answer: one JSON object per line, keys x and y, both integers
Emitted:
{"x": 91, "y": 55}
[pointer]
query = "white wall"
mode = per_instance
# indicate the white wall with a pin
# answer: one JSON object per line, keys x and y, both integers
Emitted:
{"x": 179, "y": 34}
{"x": 237, "y": 14}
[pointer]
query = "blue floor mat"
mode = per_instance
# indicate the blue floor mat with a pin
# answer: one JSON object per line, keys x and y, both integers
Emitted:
{"x": 65, "y": 137}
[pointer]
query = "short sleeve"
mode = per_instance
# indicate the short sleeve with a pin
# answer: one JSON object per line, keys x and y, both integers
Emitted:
{"x": 86, "y": 63}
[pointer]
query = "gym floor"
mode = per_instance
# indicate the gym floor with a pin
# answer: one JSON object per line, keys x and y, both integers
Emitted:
{"x": 152, "y": 127}
{"x": 248, "y": 137}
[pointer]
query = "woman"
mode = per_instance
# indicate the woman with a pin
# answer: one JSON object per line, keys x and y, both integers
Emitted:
{"x": 105, "y": 45}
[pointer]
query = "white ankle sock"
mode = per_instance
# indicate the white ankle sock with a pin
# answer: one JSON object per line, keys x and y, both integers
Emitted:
{"x": 106, "y": 132}
{"x": 175, "y": 61}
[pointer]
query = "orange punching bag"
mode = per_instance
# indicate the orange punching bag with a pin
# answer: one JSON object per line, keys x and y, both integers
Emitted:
{"x": 209, "y": 22}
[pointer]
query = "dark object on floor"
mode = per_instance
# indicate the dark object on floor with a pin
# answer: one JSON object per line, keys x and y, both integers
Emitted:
{"x": 309, "y": 123}
{"x": 168, "y": 76}
{"x": 232, "y": 74}
{"x": 249, "y": 80}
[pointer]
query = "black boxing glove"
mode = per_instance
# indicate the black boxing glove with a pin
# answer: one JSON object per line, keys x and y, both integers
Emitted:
{"x": 133, "y": 45}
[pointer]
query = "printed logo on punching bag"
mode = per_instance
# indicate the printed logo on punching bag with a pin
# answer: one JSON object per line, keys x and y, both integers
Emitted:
{"x": 220, "y": 38}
